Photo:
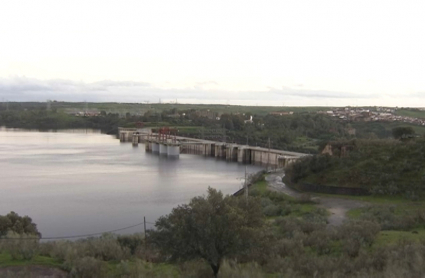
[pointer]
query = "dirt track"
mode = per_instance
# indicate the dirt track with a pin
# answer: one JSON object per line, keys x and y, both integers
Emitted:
{"x": 338, "y": 207}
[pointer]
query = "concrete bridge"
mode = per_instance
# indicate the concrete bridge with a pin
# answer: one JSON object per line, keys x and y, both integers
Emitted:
{"x": 175, "y": 145}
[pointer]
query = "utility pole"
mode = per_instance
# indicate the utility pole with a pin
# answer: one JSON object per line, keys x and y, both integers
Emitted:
{"x": 48, "y": 105}
{"x": 246, "y": 186}
{"x": 268, "y": 156}
{"x": 146, "y": 238}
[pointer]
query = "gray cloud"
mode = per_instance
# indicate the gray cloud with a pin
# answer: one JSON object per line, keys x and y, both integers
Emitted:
{"x": 111, "y": 83}
{"x": 28, "y": 89}
{"x": 318, "y": 93}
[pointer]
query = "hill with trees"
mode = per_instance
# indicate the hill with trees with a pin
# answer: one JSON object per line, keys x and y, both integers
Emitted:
{"x": 299, "y": 129}
{"x": 385, "y": 167}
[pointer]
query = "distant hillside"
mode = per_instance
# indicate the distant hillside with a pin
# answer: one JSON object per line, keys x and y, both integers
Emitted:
{"x": 387, "y": 167}
{"x": 141, "y": 108}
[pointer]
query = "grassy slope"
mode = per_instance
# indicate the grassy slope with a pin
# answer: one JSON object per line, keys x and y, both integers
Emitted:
{"x": 393, "y": 237}
{"x": 7, "y": 260}
{"x": 411, "y": 113}
{"x": 160, "y": 268}
{"x": 302, "y": 209}
{"x": 402, "y": 207}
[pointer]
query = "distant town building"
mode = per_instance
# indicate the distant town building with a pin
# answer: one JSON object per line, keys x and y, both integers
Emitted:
{"x": 359, "y": 114}
{"x": 249, "y": 121}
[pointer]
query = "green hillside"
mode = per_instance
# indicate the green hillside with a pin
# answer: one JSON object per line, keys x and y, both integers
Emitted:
{"x": 387, "y": 167}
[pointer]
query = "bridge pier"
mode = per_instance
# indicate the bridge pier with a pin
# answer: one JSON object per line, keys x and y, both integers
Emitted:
{"x": 244, "y": 155}
{"x": 123, "y": 136}
{"x": 231, "y": 153}
{"x": 135, "y": 140}
{"x": 220, "y": 151}
{"x": 148, "y": 146}
{"x": 228, "y": 150}
{"x": 173, "y": 150}
{"x": 155, "y": 147}
{"x": 163, "y": 149}
{"x": 207, "y": 149}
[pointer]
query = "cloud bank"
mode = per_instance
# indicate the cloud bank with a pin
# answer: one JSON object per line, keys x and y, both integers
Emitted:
{"x": 28, "y": 89}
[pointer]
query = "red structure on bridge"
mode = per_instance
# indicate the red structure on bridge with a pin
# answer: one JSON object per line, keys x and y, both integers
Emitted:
{"x": 165, "y": 133}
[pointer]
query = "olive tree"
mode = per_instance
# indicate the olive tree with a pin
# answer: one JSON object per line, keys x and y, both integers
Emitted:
{"x": 210, "y": 227}
{"x": 14, "y": 223}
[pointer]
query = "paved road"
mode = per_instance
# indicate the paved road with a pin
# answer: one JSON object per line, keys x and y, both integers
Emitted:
{"x": 274, "y": 182}
{"x": 338, "y": 207}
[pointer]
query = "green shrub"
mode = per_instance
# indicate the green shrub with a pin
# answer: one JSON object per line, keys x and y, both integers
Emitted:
{"x": 231, "y": 269}
{"x": 289, "y": 226}
{"x": 88, "y": 267}
{"x": 132, "y": 242}
{"x": 318, "y": 215}
{"x": 21, "y": 247}
{"x": 357, "y": 234}
{"x": 388, "y": 219}
{"x": 105, "y": 248}
{"x": 266, "y": 202}
{"x": 138, "y": 268}
{"x": 272, "y": 210}
{"x": 195, "y": 269}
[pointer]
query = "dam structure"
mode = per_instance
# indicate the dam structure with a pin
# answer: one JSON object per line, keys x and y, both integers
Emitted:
{"x": 165, "y": 143}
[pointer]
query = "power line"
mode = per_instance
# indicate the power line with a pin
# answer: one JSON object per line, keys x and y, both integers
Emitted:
{"x": 77, "y": 236}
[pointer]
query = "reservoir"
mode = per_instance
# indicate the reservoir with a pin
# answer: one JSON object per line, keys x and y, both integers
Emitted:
{"x": 83, "y": 182}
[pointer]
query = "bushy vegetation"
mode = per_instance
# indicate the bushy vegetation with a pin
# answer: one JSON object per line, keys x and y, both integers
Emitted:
{"x": 384, "y": 167}
{"x": 233, "y": 233}
{"x": 392, "y": 217}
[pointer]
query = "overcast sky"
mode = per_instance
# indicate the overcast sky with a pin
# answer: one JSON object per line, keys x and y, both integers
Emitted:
{"x": 238, "y": 52}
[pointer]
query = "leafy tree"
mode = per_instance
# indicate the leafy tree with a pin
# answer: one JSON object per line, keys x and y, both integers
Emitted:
{"x": 14, "y": 223}
{"x": 5, "y": 223}
{"x": 211, "y": 228}
{"x": 399, "y": 132}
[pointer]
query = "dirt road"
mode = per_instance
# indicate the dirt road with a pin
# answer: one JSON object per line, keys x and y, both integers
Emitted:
{"x": 338, "y": 207}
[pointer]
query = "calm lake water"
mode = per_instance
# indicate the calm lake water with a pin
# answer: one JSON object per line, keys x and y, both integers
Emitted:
{"x": 79, "y": 183}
